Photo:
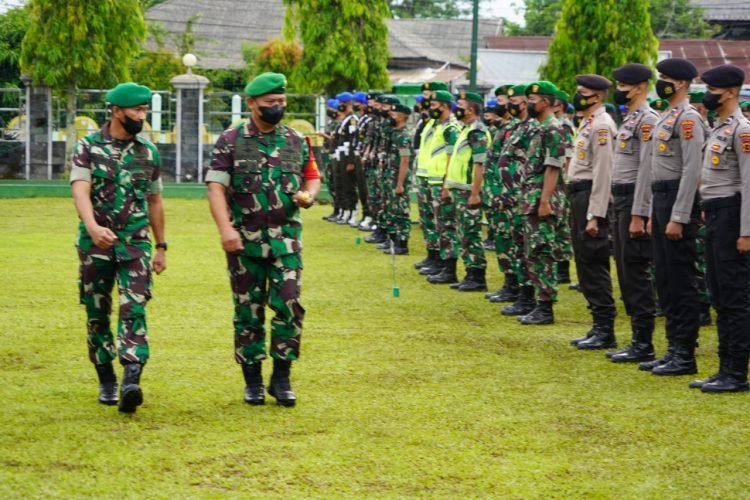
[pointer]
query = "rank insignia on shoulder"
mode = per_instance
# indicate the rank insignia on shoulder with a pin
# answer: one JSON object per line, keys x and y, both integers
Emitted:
{"x": 646, "y": 132}
{"x": 745, "y": 140}
{"x": 687, "y": 129}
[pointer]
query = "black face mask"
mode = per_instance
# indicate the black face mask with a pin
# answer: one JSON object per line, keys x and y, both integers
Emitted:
{"x": 514, "y": 109}
{"x": 357, "y": 109}
{"x": 621, "y": 97}
{"x": 711, "y": 101}
{"x": 501, "y": 109}
{"x": 665, "y": 89}
{"x": 331, "y": 113}
{"x": 577, "y": 121}
{"x": 271, "y": 114}
{"x": 370, "y": 110}
{"x": 391, "y": 121}
{"x": 532, "y": 111}
{"x": 436, "y": 114}
{"x": 132, "y": 127}
{"x": 425, "y": 116}
{"x": 460, "y": 113}
{"x": 581, "y": 102}
{"x": 342, "y": 107}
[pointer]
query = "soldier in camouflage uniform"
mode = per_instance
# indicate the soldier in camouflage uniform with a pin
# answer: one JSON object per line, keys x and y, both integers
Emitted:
{"x": 332, "y": 110}
{"x": 463, "y": 183}
{"x": 496, "y": 200}
{"x": 117, "y": 192}
{"x": 564, "y": 236}
{"x": 513, "y": 157}
{"x": 541, "y": 196}
{"x": 261, "y": 173}
{"x": 369, "y": 135}
{"x": 379, "y": 154}
{"x": 397, "y": 183}
{"x": 443, "y": 209}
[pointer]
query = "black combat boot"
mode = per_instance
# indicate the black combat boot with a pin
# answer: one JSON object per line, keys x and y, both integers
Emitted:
{"x": 588, "y": 335}
{"x": 334, "y": 215}
{"x": 523, "y": 305}
{"x": 563, "y": 272}
{"x": 603, "y": 336}
{"x": 647, "y": 366}
{"x": 447, "y": 275}
{"x": 640, "y": 349}
{"x": 255, "y": 393}
{"x": 682, "y": 362}
{"x": 475, "y": 281}
{"x": 280, "y": 387}
{"x": 509, "y": 291}
{"x": 107, "y": 384}
{"x": 400, "y": 247}
{"x": 377, "y": 236}
{"x": 576, "y": 287}
{"x": 386, "y": 244}
{"x": 697, "y": 384}
{"x": 131, "y": 395}
{"x": 436, "y": 267}
{"x": 543, "y": 314}
{"x": 732, "y": 377}
{"x": 432, "y": 256}
{"x": 705, "y": 316}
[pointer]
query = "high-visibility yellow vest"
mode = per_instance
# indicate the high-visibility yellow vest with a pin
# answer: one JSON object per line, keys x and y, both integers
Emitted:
{"x": 423, "y": 159}
{"x": 439, "y": 149}
{"x": 461, "y": 168}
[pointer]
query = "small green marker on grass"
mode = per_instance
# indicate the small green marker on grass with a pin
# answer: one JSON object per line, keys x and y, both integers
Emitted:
{"x": 357, "y": 240}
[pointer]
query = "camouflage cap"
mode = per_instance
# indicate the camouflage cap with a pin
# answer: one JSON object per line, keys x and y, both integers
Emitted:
{"x": 442, "y": 96}
{"x": 502, "y": 90}
{"x": 517, "y": 90}
{"x": 128, "y": 95}
{"x": 471, "y": 97}
{"x": 266, "y": 83}
{"x": 542, "y": 87}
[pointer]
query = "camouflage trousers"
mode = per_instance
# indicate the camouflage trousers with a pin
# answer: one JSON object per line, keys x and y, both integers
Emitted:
{"x": 373, "y": 174}
{"x": 328, "y": 175}
{"x": 501, "y": 217}
{"x": 397, "y": 221}
{"x": 541, "y": 251}
{"x": 704, "y": 295}
{"x": 444, "y": 215}
{"x": 426, "y": 218}
{"x": 564, "y": 236}
{"x": 96, "y": 280}
{"x": 257, "y": 282}
{"x": 469, "y": 225}
{"x": 518, "y": 249}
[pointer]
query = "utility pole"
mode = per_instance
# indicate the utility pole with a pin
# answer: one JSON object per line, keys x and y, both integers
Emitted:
{"x": 474, "y": 40}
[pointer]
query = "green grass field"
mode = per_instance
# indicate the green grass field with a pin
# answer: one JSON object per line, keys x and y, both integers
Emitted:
{"x": 432, "y": 394}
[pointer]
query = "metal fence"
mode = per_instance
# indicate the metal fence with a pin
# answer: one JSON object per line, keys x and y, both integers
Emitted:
{"x": 12, "y": 132}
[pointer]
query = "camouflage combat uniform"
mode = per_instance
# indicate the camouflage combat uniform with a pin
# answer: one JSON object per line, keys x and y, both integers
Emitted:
{"x": 122, "y": 175}
{"x": 262, "y": 171}
{"x": 443, "y": 212}
{"x": 424, "y": 192}
{"x": 329, "y": 147}
{"x": 542, "y": 246}
{"x": 398, "y": 224}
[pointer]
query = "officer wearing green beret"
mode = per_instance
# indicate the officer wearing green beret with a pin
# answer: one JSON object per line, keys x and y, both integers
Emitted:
{"x": 117, "y": 188}
{"x": 560, "y": 109}
{"x": 261, "y": 173}
{"x": 745, "y": 108}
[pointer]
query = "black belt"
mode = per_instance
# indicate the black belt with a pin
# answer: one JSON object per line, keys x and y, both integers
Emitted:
{"x": 576, "y": 186}
{"x": 717, "y": 203}
{"x": 665, "y": 186}
{"x": 623, "y": 189}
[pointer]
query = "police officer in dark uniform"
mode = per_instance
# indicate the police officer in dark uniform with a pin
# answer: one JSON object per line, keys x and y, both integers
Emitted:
{"x": 631, "y": 191}
{"x": 675, "y": 168}
{"x": 725, "y": 193}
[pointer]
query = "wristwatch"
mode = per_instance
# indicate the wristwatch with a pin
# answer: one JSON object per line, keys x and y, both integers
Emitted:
{"x": 162, "y": 244}
{"x": 589, "y": 216}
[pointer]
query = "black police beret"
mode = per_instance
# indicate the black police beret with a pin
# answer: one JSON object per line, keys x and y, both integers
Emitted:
{"x": 633, "y": 73}
{"x": 726, "y": 75}
{"x": 677, "y": 68}
{"x": 593, "y": 82}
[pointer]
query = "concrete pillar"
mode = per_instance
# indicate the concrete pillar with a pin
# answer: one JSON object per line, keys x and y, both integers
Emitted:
{"x": 189, "y": 126}
{"x": 38, "y": 133}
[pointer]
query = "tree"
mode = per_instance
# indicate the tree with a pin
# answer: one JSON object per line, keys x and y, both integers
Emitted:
{"x": 279, "y": 56}
{"x": 13, "y": 26}
{"x": 669, "y": 19}
{"x": 74, "y": 43}
{"x": 345, "y": 44}
{"x": 408, "y": 9}
{"x": 597, "y": 37}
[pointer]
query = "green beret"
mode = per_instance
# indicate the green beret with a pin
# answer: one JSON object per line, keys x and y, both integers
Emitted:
{"x": 389, "y": 99}
{"x": 401, "y": 108}
{"x": 542, "y": 87}
{"x": 609, "y": 107}
{"x": 745, "y": 106}
{"x": 659, "y": 104}
{"x": 442, "y": 96}
{"x": 696, "y": 97}
{"x": 471, "y": 97}
{"x": 374, "y": 95}
{"x": 517, "y": 90}
{"x": 128, "y": 95}
{"x": 501, "y": 90}
{"x": 267, "y": 83}
{"x": 434, "y": 86}
{"x": 563, "y": 96}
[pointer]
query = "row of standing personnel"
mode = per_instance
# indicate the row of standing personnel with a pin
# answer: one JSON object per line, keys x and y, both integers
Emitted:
{"x": 543, "y": 184}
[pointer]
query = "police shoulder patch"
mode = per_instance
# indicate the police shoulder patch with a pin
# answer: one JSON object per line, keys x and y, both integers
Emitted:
{"x": 602, "y": 136}
{"x": 687, "y": 129}
{"x": 646, "y": 129}
{"x": 745, "y": 142}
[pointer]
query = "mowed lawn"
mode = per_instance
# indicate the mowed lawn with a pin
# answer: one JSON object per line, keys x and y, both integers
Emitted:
{"x": 431, "y": 394}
